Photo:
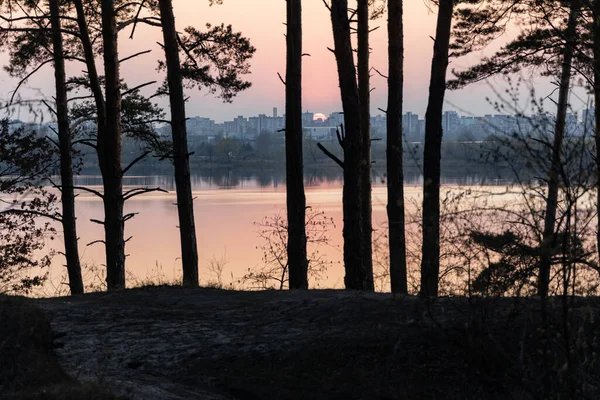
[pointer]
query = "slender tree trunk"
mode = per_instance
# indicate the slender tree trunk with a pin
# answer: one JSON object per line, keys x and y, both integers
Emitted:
{"x": 114, "y": 238}
{"x": 357, "y": 277}
{"x": 92, "y": 72}
{"x": 66, "y": 155}
{"x": 549, "y": 237}
{"x": 596, "y": 64}
{"x": 114, "y": 226}
{"x": 395, "y": 173}
{"x": 364, "y": 92}
{"x": 430, "y": 261}
{"x": 185, "y": 201}
{"x": 296, "y": 200}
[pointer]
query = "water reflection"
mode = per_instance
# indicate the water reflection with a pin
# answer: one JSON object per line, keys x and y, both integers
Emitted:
{"x": 228, "y": 201}
{"x": 248, "y": 178}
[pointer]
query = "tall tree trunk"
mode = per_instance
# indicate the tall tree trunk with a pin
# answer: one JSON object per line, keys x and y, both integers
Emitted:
{"x": 66, "y": 155}
{"x": 549, "y": 237}
{"x": 101, "y": 141}
{"x": 430, "y": 260}
{"x": 356, "y": 277}
{"x": 92, "y": 72}
{"x": 114, "y": 226}
{"x": 596, "y": 64}
{"x": 185, "y": 201}
{"x": 395, "y": 173}
{"x": 364, "y": 92}
{"x": 296, "y": 200}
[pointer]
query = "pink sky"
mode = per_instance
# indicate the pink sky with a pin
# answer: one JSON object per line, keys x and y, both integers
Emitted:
{"x": 263, "y": 22}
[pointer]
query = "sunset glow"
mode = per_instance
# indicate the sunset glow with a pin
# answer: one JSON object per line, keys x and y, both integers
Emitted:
{"x": 263, "y": 22}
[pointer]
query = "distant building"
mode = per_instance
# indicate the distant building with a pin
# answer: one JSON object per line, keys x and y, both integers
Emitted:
{"x": 335, "y": 119}
{"x": 200, "y": 126}
{"x": 455, "y": 126}
{"x": 307, "y": 118}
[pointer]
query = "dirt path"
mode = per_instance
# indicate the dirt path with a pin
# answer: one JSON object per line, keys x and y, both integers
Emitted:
{"x": 171, "y": 343}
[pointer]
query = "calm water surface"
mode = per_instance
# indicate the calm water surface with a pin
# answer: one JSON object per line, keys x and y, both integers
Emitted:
{"x": 226, "y": 212}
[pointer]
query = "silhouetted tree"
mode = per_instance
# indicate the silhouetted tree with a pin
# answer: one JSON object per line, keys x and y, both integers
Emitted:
{"x": 364, "y": 93}
{"x": 185, "y": 201}
{"x": 358, "y": 276}
{"x": 549, "y": 234}
{"x": 24, "y": 157}
{"x": 430, "y": 259}
{"x": 596, "y": 90}
{"x": 551, "y": 39}
{"x": 395, "y": 173}
{"x": 66, "y": 155}
{"x": 110, "y": 120}
{"x": 109, "y": 152}
{"x": 22, "y": 41}
{"x": 295, "y": 197}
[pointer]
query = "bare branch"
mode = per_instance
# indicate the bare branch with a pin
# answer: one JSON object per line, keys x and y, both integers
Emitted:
{"x": 281, "y": 78}
{"x": 50, "y": 108}
{"x": 136, "y": 192}
{"x": 138, "y": 159}
{"x": 54, "y": 142}
{"x": 137, "y": 88}
{"x": 127, "y": 217}
{"x": 136, "y": 18}
{"x": 331, "y": 155}
{"x": 86, "y": 143}
{"x": 85, "y": 189}
{"x": 380, "y": 74}
{"x": 22, "y": 81}
{"x": 122, "y": 60}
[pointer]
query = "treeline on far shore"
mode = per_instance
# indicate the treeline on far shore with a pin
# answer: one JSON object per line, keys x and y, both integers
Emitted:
{"x": 463, "y": 161}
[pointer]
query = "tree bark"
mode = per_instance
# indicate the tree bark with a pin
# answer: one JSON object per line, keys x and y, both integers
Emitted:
{"x": 110, "y": 154}
{"x": 356, "y": 277}
{"x": 66, "y": 155}
{"x": 549, "y": 236}
{"x": 395, "y": 173}
{"x": 430, "y": 261}
{"x": 596, "y": 65}
{"x": 364, "y": 92}
{"x": 185, "y": 201}
{"x": 295, "y": 197}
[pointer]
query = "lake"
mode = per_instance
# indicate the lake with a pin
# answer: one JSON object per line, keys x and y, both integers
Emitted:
{"x": 227, "y": 207}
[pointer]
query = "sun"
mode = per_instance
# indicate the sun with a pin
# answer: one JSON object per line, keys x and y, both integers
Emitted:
{"x": 319, "y": 116}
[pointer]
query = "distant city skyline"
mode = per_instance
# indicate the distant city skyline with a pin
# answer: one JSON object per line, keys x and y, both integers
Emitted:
{"x": 455, "y": 125}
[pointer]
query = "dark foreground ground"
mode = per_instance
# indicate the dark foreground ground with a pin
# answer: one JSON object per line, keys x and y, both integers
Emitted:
{"x": 171, "y": 343}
